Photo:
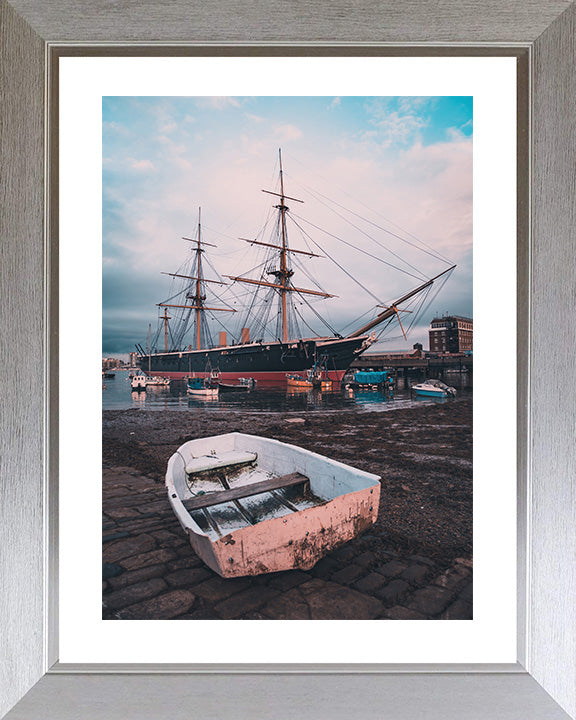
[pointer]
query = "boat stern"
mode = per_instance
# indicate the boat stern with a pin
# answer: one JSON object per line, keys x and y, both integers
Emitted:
{"x": 296, "y": 541}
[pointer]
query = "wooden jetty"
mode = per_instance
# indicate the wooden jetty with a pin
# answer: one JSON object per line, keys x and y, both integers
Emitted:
{"x": 416, "y": 365}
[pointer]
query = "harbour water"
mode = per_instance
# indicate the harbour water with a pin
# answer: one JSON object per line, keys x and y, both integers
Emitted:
{"x": 117, "y": 395}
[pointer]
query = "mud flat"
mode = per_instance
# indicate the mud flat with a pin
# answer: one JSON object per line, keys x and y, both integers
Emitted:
{"x": 416, "y": 562}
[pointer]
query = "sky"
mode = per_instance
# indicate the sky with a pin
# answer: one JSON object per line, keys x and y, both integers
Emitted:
{"x": 386, "y": 184}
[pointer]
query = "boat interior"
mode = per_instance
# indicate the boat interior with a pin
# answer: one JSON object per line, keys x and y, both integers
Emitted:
{"x": 235, "y": 480}
{"x": 237, "y": 473}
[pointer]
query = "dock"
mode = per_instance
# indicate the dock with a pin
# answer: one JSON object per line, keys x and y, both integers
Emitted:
{"x": 416, "y": 366}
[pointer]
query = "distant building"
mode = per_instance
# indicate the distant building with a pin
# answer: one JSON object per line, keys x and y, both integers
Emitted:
{"x": 109, "y": 363}
{"x": 133, "y": 359}
{"x": 451, "y": 334}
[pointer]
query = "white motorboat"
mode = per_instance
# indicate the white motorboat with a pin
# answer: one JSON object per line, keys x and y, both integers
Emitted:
{"x": 433, "y": 388}
{"x": 140, "y": 381}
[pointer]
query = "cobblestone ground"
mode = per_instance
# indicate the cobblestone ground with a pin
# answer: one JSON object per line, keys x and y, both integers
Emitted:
{"x": 151, "y": 572}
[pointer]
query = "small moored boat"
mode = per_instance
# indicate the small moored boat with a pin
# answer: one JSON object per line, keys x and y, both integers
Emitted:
{"x": 252, "y": 505}
{"x": 233, "y": 387}
{"x": 156, "y": 380}
{"x": 249, "y": 381}
{"x": 319, "y": 377}
{"x": 296, "y": 381}
{"x": 140, "y": 381}
{"x": 200, "y": 386}
{"x": 433, "y": 388}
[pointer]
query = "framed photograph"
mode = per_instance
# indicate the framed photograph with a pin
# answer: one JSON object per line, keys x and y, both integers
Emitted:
{"x": 515, "y": 658}
{"x": 178, "y": 145}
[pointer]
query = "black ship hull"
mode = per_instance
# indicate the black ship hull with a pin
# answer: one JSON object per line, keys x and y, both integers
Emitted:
{"x": 267, "y": 363}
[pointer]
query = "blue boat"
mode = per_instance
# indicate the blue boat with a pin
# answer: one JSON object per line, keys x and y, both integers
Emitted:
{"x": 371, "y": 377}
{"x": 433, "y": 388}
{"x": 200, "y": 386}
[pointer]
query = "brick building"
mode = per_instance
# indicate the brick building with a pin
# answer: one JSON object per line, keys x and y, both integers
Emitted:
{"x": 451, "y": 334}
{"x": 110, "y": 363}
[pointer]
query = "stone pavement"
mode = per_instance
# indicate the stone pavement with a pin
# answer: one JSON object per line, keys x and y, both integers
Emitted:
{"x": 150, "y": 571}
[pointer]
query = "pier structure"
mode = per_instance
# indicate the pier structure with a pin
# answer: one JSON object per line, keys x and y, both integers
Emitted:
{"x": 417, "y": 366}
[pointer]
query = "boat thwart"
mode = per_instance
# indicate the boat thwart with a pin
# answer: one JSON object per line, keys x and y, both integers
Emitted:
{"x": 252, "y": 505}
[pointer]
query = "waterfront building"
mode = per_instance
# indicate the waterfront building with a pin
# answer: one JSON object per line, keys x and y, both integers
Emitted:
{"x": 133, "y": 359}
{"x": 451, "y": 334}
{"x": 110, "y": 363}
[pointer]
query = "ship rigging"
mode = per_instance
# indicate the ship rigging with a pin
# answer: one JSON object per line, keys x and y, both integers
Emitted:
{"x": 270, "y": 307}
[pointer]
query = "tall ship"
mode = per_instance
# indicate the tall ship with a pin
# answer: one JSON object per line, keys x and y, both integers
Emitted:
{"x": 273, "y": 338}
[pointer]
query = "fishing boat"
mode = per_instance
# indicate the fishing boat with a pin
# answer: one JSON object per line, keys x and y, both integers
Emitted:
{"x": 201, "y": 386}
{"x": 433, "y": 388}
{"x": 140, "y": 381}
{"x": 269, "y": 343}
{"x": 251, "y": 505}
{"x": 318, "y": 376}
{"x": 296, "y": 381}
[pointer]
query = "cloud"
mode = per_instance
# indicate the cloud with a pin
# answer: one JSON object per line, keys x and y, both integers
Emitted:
{"x": 377, "y": 166}
{"x": 141, "y": 165}
{"x": 115, "y": 128}
{"x": 284, "y": 133}
{"x": 396, "y": 122}
{"x": 336, "y": 102}
{"x": 221, "y": 102}
{"x": 412, "y": 104}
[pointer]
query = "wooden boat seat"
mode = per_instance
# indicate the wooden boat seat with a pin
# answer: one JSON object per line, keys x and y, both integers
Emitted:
{"x": 215, "y": 498}
{"x": 221, "y": 460}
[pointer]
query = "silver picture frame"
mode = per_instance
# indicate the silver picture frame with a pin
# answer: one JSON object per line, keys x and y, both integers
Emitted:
{"x": 542, "y": 684}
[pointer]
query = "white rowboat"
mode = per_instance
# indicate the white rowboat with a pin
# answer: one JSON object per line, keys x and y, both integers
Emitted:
{"x": 251, "y": 505}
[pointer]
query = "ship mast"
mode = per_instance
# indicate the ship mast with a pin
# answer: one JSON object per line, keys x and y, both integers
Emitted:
{"x": 198, "y": 297}
{"x": 284, "y": 273}
{"x": 165, "y": 318}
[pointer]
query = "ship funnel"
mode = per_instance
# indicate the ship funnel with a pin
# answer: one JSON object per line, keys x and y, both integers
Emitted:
{"x": 245, "y": 338}
{"x": 222, "y": 339}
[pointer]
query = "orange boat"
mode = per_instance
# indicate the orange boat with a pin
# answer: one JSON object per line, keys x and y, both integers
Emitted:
{"x": 298, "y": 381}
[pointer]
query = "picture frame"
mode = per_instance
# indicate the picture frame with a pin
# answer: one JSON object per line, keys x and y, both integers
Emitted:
{"x": 543, "y": 682}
